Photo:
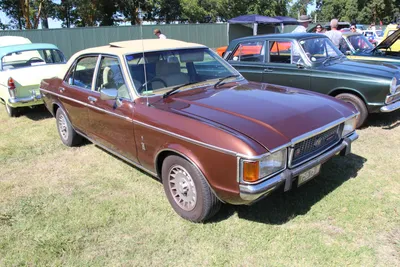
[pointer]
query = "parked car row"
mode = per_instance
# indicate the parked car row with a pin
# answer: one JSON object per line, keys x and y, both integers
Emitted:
{"x": 212, "y": 133}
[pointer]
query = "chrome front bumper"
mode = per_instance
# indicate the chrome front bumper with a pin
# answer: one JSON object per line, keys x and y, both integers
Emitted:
{"x": 251, "y": 193}
{"x": 391, "y": 107}
{"x": 17, "y": 100}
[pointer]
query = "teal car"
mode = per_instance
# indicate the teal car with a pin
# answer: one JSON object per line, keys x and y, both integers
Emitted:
{"x": 312, "y": 62}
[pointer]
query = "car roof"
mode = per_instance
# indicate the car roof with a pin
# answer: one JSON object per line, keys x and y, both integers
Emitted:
{"x": 13, "y": 40}
{"x": 349, "y": 33}
{"x": 4, "y": 50}
{"x": 139, "y": 46}
{"x": 295, "y": 36}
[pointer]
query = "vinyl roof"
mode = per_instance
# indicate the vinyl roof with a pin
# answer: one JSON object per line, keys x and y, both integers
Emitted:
{"x": 139, "y": 46}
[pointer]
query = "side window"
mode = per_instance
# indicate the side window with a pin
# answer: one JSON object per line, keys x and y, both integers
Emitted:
{"x": 110, "y": 77}
{"x": 82, "y": 74}
{"x": 280, "y": 52}
{"x": 252, "y": 51}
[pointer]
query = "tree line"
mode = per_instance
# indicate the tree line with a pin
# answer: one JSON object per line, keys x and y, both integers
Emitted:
{"x": 27, "y": 14}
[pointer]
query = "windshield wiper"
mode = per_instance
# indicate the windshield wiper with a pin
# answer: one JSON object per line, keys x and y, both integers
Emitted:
{"x": 176, "y": 88}
{"x": 224, "y": 78}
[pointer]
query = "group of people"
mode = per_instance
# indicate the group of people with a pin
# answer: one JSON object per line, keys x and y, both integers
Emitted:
{"x": 334, "y": 34}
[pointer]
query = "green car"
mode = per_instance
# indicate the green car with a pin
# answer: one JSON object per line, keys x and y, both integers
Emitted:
{"x": 357, "y": 47}
{"x": 312, "y": 62}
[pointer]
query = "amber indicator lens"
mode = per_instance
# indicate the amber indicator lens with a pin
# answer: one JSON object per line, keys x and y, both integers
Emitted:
{"x": 251, "y": 170}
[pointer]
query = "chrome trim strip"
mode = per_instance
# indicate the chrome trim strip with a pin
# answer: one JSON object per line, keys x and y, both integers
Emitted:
{"x": 391, "y": 107}
{"x": 137, "y": 165}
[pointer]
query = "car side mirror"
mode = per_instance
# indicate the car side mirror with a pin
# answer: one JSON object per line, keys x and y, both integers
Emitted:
{"x": 108, "y": 94}
{"x": 348, "y": 53}
{"x": 300, "y": 64}
{"x": 70, "y": 81}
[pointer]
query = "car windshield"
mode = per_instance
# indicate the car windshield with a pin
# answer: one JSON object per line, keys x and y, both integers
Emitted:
{"x": 359, "y": 42}
{"x": 319, "y": 49}
{"x": 32, "y": 58}
{"x": 379, "y": 33}
{"x": 164, "y": 70}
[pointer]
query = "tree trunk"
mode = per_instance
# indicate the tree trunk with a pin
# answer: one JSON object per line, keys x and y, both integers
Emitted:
{"x": 25, "y": 13}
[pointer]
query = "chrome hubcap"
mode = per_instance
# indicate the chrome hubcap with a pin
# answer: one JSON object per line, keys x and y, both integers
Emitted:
{"x": 62, "y": 126}
{"x": 182, "y": 188}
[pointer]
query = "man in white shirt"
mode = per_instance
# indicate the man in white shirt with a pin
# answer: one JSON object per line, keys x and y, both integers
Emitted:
{"x": 303, "y": 20}
{"x": 158, "y": 33}
{"x": 334, "y": 34}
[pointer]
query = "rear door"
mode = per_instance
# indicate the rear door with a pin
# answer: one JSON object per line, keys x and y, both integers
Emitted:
{"x": 111, "y": 120}
{"x": 75, "y": 90}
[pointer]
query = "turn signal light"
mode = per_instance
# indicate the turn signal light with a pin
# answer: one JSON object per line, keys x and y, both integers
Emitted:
{"x": 11, "y": 84}
{"x": 251, "y": 170}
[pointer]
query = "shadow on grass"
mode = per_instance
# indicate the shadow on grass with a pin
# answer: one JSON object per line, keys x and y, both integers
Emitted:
{"x": 387, "y": 121}
{"x": 279, "y": 207}
{"x": 36, "y": 113}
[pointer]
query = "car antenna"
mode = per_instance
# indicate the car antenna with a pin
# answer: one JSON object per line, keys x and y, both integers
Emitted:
{"x": 144, "y": 60}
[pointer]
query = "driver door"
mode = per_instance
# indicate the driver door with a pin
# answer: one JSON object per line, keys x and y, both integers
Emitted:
{"x": 111, "y": 120}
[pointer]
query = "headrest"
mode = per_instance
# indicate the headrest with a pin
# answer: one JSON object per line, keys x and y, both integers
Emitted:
{"x": 107, "y": 75}
{"x": 164, "y": 68}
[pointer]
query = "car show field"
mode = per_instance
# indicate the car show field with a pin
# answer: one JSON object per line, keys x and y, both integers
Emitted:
{"x": 81, "y": 206}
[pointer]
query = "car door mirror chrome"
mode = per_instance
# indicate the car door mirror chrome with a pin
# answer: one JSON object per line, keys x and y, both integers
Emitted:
{"x": 348, "y": 53}
{"x": 70, "y": 81}
{"x": 300, "y": 64}
{"x": 108, "y": 94}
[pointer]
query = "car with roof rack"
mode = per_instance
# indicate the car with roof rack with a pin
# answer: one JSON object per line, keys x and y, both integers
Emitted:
{"x": 22, "y": 66}
{"x": 181, "y": 113}
{"x": 312, "y": 62}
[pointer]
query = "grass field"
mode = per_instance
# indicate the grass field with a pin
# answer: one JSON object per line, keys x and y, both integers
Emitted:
{"x": 83, "y": 207}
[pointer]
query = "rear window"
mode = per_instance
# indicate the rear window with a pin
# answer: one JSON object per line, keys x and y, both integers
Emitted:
{"x": 32, "y": 58}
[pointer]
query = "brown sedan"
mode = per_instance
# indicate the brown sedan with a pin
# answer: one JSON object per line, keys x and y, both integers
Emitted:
{"x": 181, "y": 113}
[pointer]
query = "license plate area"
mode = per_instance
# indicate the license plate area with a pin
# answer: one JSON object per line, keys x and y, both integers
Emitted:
{"x": 308, "y": 175}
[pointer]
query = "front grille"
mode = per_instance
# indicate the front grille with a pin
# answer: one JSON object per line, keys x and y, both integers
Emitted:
{"x": 315, "y": 145}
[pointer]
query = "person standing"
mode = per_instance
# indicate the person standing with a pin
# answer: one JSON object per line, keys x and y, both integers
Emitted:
{"x": 318, "y": 29}
{"x": 158, "y": 33}
{"x": 334, "y": 34}
{"x": 353, "y": 28}
{"x": 304, "y": 20}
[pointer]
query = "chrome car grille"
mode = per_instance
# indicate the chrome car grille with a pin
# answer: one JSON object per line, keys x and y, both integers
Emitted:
{"x": 313, "y": 146}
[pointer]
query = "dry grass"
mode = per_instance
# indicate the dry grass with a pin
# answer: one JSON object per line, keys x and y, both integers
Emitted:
{"x": 81, "y": 206}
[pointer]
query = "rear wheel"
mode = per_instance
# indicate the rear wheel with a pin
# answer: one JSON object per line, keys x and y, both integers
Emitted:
{"x": 12, "y": 112}
{"x": 187, "y": 190}
{"x": 67, "y": 134}
{"x": 358, "y": 104}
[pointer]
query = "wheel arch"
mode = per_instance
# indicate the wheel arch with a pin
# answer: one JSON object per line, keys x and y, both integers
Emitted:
{"x": 180, "y": 151}
{"x": 342, "y": 90}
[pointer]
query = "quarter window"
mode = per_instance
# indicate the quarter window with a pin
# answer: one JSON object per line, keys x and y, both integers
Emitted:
{"x": 82, "y": 74}
{"x": 110, "y": 77}
{"x": 253, "y": 51}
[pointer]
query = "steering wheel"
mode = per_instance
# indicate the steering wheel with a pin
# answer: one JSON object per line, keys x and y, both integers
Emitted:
{"x": 155, "y": 79}
{"x": 35, "y": 58}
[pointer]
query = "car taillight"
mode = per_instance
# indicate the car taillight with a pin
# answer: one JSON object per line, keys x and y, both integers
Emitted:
{"x": 11, "y": 87}
{"x": 11, "y": 84}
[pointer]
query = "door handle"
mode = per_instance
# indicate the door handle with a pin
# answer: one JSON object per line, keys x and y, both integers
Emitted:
{"x": 268, "y": 70}
{"x": 92, "y": 99}
{"x": 62, "y": 89}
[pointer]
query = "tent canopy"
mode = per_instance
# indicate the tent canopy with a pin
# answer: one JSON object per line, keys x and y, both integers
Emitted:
{"x": 254, "y": 18}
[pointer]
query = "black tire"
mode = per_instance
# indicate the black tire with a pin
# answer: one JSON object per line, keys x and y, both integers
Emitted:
{"x": 12, "y": 112}
{"x": 358, "y": 104}
{"x": 68, "y": 135}
{"x": 204, "y": 203}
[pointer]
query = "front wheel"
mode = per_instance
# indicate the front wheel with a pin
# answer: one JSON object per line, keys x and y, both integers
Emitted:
{"x": 187, "y": 190}
{"x": 68, "y": 135}
{"x": 358, "y": 104}
{"x": 12, "y": 112}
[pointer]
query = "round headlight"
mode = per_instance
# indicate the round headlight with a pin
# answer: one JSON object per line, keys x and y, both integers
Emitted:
{"x": 393, "y": 86}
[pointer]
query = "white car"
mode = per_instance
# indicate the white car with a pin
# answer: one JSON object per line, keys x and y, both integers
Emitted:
{"x": 22, "y": 67}
{"x": 375, "y": 35}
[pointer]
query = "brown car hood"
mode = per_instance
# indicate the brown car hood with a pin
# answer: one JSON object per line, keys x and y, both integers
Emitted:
{"x": 271, "y": 115}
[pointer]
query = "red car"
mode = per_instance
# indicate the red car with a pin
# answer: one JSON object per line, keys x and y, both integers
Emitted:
{"x": 184, "y": 115}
